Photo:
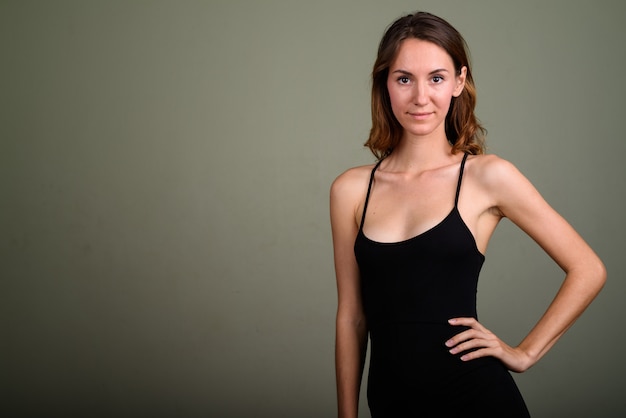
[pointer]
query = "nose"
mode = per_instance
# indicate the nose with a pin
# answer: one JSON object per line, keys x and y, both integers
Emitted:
{"x": 420, "y": 96}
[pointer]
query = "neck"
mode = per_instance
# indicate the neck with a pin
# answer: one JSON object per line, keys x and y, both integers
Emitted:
{"x": 421, "y": 153}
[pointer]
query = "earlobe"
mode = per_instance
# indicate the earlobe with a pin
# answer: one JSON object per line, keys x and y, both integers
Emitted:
{"x": 460, "y": 82}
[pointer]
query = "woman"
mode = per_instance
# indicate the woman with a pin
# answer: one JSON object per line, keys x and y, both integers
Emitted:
{"x": 409, "y": 234}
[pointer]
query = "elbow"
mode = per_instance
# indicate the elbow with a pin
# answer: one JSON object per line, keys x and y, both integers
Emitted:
{"x": 600, "y": 274}
{"x": 596, "y": 275}
{"x": 590, "y": 276}
{"x": 356, "y": 322}
{"x": 351, "y": 318}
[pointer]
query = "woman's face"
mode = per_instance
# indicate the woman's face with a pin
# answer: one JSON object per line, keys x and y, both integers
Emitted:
{"x": 421, "y": 83}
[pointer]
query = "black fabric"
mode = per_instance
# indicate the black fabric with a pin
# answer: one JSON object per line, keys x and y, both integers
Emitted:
{"x": 410, "y": 289}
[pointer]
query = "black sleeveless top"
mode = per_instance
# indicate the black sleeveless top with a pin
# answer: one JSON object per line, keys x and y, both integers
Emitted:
{"x": 410, "y": 289}
{"x": 431, "y": 277}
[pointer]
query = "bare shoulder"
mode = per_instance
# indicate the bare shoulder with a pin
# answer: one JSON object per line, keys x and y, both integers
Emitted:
{"x": 352, "y": 182}
{"x": 492, "y": 171}
{"x": 507, "y": 190}
{"x": 347, "y": 195}
{"x": 504, "y": 189}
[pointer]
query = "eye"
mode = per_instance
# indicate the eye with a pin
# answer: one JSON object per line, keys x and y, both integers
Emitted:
{"x": 403, "y": 80}
{"x": 437, "y": 79}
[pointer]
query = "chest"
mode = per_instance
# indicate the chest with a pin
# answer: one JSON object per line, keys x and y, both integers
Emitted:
{"x": 399, "y": 209}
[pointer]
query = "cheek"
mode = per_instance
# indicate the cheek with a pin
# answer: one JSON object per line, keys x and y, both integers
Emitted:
{"x": 395, "y": 97}
{"x": 444, "y": 99}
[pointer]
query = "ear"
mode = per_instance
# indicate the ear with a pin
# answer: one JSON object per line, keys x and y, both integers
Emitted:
{"x": 460, "y": 82}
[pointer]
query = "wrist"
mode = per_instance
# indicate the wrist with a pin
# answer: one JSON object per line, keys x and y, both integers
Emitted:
{"x": 527, "y": 359}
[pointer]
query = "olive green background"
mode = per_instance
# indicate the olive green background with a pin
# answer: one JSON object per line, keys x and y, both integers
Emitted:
{"x": 164, "y": 171}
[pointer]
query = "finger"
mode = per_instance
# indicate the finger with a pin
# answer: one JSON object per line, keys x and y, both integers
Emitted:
{"x": 483, "y": 352}
{"x": 476, "y": 343}
{"x": 464, "y": 336}
{"x": 468, "y": 322}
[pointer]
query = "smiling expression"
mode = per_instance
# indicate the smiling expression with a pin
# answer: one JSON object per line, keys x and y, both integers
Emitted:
{"x": 422, "y": 82}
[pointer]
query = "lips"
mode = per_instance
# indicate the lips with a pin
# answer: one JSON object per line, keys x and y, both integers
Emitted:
{"x": 420, "y": 115}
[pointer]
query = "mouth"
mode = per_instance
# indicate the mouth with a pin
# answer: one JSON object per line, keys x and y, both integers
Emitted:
{"x": 419, "y": 115}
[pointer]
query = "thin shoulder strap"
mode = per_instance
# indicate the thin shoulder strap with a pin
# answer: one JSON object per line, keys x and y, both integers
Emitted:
{"x": 458, "y": 187}
{"x": 367, "y": 197}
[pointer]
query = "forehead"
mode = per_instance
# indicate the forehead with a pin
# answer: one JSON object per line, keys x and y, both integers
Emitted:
{"x": 423, "y": 55}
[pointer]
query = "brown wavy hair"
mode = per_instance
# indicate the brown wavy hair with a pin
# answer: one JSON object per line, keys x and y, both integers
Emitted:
{"x": 463, "y": 130}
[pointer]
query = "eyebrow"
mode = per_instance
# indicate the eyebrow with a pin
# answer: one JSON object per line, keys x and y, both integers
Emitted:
{"x": 405, "y": 72}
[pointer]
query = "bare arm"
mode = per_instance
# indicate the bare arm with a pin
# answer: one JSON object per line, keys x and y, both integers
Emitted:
{"x": 515, "y": 197}
{"x": 351, "y": 329}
